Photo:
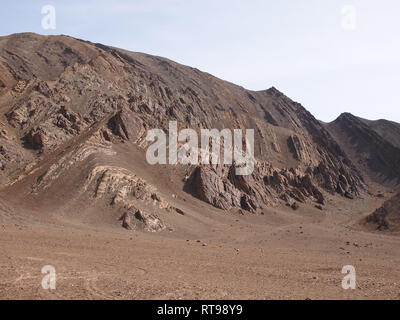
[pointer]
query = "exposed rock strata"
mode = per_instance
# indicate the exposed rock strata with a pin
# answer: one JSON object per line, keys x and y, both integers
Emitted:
{"x": 69, "y": 105}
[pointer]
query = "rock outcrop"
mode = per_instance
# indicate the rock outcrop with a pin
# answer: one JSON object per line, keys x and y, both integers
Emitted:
{"x": 267, "y": 186}
{"x": 126, "y": 125}
{"x": 134, "y": 219}
{"x": 387, "y": 216}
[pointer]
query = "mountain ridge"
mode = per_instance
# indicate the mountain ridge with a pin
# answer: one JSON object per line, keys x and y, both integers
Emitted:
{"x": 72, "y": 112}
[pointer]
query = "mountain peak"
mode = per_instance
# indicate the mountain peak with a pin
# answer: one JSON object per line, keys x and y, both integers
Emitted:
{"x": 346, "y": 116}
{"x": 273, "y": 91}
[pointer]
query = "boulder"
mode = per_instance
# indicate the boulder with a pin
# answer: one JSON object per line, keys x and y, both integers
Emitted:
{"x": 126, "y": 125}
{"x": 150, "y": 222}
{"x": 127, "y": 220}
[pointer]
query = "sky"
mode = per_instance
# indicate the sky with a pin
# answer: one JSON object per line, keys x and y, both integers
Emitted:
{"x": 331, "y": 56}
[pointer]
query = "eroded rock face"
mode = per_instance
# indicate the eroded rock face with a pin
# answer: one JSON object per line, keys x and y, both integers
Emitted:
{"x": 128, "y": 220}
{"x": 36, "y": 139}
{"x": 127, "y": 126}
{"x": 134, "y": 218}
{"x": 123, "y": 189}
{"x": 265, "y": 187}
{"x": 339, "y": 179}
{"x": 208, "y": 186}
{"x": 151, "y": 222}
{"x": 297, "y": 147}
{"x": 61, "y": 126}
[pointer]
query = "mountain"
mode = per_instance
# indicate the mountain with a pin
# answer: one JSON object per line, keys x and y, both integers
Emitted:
{"x": 74, "y": 117}
{"x": 388, "y": 130}
{"x": 373, "y": 146}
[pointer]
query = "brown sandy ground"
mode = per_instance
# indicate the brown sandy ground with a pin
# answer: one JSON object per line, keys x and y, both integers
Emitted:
{"x": 240, "y": 257}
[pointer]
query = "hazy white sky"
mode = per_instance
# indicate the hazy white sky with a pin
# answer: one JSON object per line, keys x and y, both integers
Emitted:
{"x": 329, "y": 60}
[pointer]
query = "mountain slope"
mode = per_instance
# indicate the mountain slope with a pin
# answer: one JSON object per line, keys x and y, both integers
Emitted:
{"x": 371, "y": 145}
{"x": 388, "y": 130}
{"x": 388, "y": 215}
{"x": 74, "y": 117}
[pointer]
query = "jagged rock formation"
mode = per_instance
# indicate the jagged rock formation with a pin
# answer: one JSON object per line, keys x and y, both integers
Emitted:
{"x": 123, "y": 187}
{"x": 267, "y": 186}
{"x": 134, "y": 217}
{"x": 126, "y": 125}
{"x": 72, "y": 112}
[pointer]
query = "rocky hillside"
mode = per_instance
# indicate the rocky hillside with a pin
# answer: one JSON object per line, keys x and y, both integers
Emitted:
{"x": 74, "y": 117}
{"x": 388, "y": 130}
{"x": 388, "y": 215}
{"x": 373, "y": 146}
